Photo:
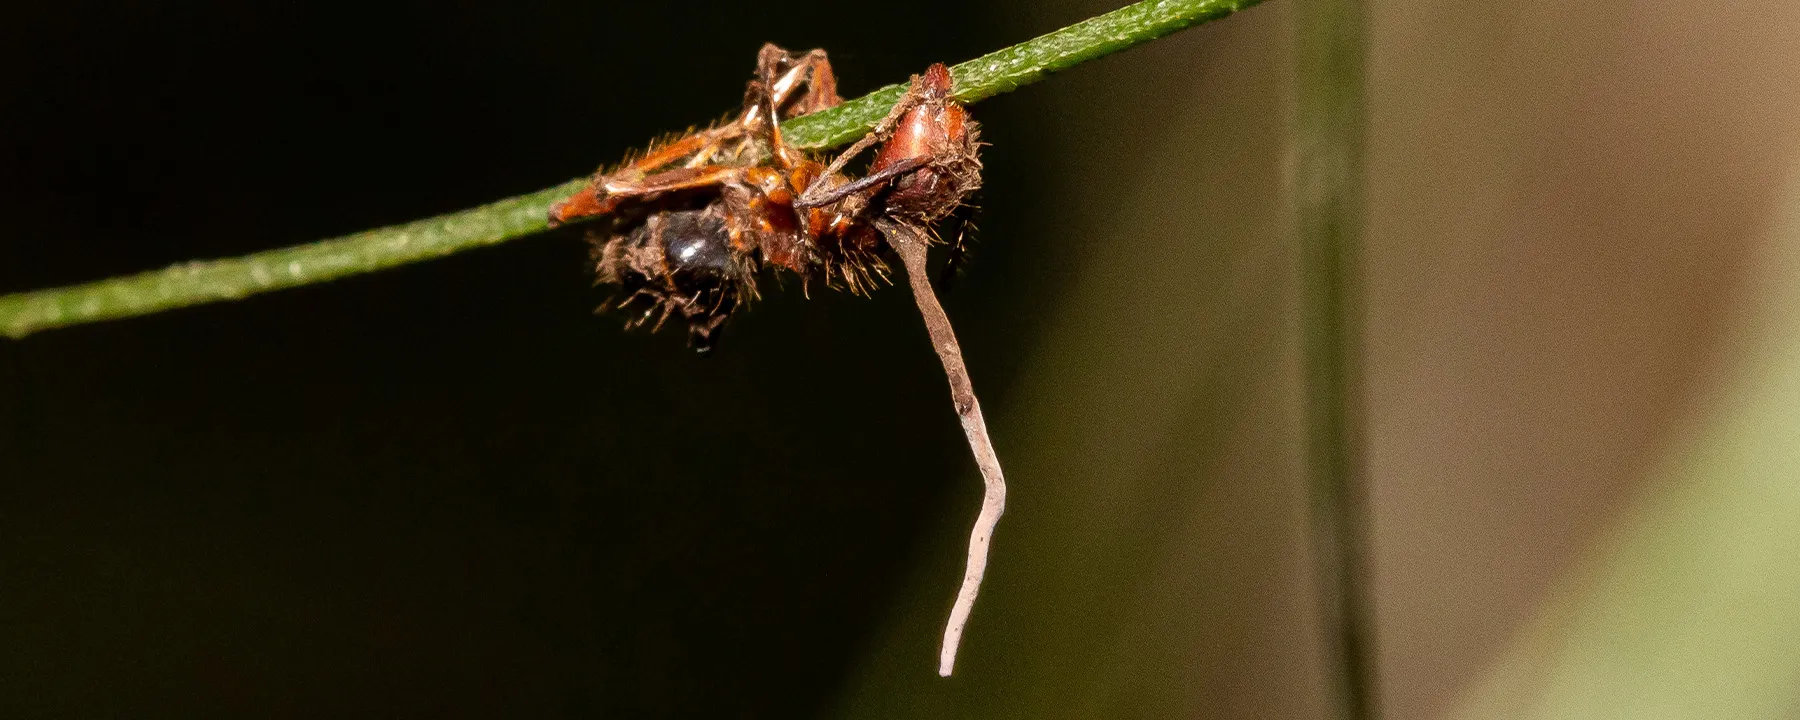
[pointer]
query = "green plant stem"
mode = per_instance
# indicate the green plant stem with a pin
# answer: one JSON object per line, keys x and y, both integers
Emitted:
{"x": 1328, "y": 203}
{"x": 195, "y": 283}
{"x": 1015, "y": 67}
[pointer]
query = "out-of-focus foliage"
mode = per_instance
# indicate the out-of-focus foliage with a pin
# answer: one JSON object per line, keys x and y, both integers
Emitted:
{"x": 1691, "y": 608}
{"x": 1151, "y": 563}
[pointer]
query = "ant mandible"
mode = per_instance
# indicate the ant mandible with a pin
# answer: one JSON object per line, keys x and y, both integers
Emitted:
{"x": 693, "y": 220}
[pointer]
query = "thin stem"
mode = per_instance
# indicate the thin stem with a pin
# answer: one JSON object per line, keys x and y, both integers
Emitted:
{"x": 1015, "y": 67}
{"x": 195, "y": 283}
{"x": 199, "y": 282}
{"x": 911, "y": 248}
{"x": 1327, "y": 195}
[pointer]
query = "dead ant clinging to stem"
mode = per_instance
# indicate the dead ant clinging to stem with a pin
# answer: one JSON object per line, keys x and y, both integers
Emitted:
{"x": 692, "y": 221}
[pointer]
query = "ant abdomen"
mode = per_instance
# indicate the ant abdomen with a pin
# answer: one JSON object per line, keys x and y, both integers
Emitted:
{"x": 677, "y": 262}
{"x": 696, "y": 245}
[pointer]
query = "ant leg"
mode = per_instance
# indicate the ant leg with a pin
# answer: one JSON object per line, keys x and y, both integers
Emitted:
{"x": 883, "y": 130}
{"x": 604, "y": 194}
{"x": 770, "y": 92}
{"x": 773, "y": 87}
{"x": 779, "y": 74}
{"x": 670, "y": 181}
{"x": 599, "y": 196}
{"x": 758, "y": 94}
{"x": 815, "y": 194}
{"x": 662, "y": 156}
{"x": 712, "y": 140}
{"x": 812, "y": 68}
{"x": 821, "y": 86}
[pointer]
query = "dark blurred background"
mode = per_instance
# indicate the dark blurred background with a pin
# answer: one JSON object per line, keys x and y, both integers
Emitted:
{"x": 449, "y": 490}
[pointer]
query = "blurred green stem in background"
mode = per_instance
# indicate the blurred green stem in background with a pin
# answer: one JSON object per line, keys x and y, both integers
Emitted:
{"x": 199, "y": 282}
{"x": 1327, "y": 196}
{"x": 1690, "y": 608}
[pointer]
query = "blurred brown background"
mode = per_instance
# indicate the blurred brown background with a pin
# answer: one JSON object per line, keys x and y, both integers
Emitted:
{"x": 1575, "y": 235}
{"x": 448, "y": 491}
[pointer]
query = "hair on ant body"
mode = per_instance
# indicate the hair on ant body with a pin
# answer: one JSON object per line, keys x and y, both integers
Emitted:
{"x": 692, "y": 222}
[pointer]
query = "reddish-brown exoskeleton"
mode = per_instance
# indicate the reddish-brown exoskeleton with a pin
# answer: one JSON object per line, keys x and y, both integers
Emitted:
{"x": 693, "y": 221}
{"x": 927, "y": 165}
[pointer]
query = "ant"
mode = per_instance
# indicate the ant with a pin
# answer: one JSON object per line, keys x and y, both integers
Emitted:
{"x": 694, "y": 219}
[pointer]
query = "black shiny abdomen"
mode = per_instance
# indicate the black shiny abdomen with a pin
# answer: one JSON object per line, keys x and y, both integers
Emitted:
{"x": 678, "y": 262}
{"x": 696, "y": 244}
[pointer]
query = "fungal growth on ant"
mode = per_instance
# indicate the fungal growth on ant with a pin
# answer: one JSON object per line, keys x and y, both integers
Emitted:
{"x": 926, "y": 168}
{"x": 693, "y": 221}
